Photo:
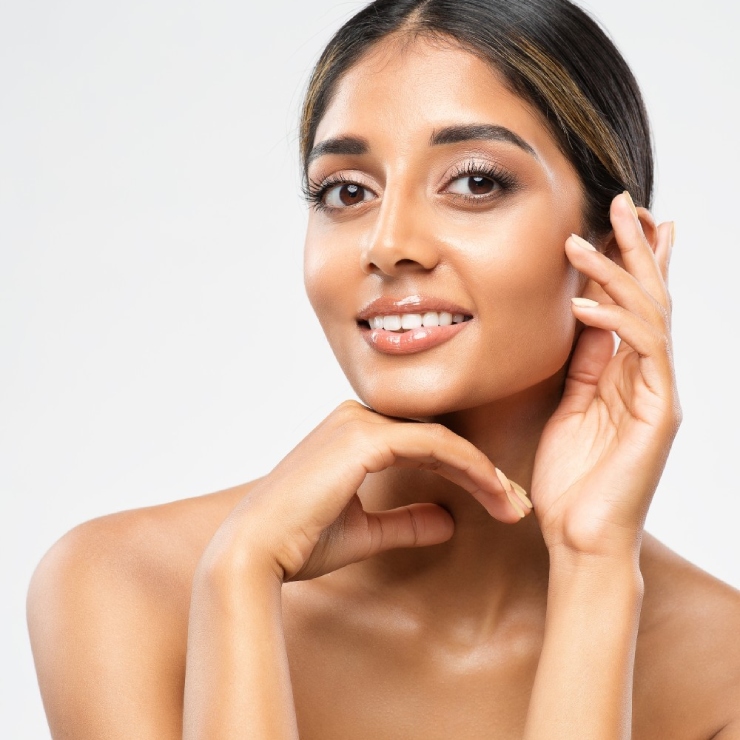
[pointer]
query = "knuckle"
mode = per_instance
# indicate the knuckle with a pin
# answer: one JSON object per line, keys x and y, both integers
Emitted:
{"x": 437, "y": 430}
{"x": 668, "y": 304}
{"x": 350, "y": 417}
{"x": 414, "y": 526}
{"x": 661, "y": 343}
{"x": 676, "y": 415}
{"x": 349, "y": 409}
{"x": 664, "y": 315}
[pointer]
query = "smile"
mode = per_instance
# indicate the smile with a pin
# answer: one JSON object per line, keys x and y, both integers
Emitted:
{"x": 389, "y": 327}
{"x": 408, "y": 321}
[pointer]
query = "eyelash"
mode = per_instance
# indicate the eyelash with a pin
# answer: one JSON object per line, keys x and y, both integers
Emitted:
{"x": 315, "y": 190}
{"x": 505, "y": 180}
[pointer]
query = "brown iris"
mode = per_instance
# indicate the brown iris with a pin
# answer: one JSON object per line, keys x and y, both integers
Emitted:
{"x": 480, "y": 185}
{"x": 350, "y": 194}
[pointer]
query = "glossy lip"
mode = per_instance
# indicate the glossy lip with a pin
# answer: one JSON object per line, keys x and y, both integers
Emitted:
{"x": 412, "y": 340}
{"x": 387, "y": 306}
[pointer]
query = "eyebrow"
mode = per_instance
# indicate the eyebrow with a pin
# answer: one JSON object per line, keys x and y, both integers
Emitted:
{"x": 354, "y": 145}
{"x": 479, "y": 131}
{"x": 341, "y": 145}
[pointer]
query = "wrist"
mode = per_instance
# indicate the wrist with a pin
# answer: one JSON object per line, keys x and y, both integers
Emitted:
{"x": 235, "y": 559}
{"x": 600, "y": 575}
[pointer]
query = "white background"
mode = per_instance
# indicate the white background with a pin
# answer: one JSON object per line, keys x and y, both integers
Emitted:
{"x": 155, "y": 341}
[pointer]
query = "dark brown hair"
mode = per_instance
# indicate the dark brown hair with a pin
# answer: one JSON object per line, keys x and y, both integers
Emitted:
{"x": 551, "y": 53}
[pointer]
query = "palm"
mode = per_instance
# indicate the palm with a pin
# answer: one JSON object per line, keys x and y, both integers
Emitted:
{"x": 599, "y": 442}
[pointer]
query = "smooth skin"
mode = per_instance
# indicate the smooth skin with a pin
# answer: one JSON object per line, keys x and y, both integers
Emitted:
{"x": 380, "y": 582}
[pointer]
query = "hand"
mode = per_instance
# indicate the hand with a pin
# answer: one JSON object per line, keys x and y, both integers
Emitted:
{"x": 602, "y": 453}
{"x": 305, "y": 519}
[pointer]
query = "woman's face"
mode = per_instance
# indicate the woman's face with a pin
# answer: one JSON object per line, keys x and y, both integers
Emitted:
{"x": 439, "y": 192}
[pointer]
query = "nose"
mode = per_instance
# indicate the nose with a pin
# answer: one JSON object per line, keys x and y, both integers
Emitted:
{"x": 400, "y": 240}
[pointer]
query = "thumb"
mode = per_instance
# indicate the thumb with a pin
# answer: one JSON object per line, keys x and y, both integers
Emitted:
{"x": 357, "y": 535}
{"x": 415, "y": 525}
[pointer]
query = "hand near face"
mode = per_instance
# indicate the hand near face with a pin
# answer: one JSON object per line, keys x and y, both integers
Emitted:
{"x": 305, "y": 518}
{"x": 602, "y": 452}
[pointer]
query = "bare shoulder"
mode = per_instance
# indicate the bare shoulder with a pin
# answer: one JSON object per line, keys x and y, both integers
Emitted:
{"x": 687, "y": 667}
{"x": 107, "y": 614}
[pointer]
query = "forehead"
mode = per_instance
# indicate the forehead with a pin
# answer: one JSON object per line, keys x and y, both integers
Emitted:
{"x": 405, "y": 90}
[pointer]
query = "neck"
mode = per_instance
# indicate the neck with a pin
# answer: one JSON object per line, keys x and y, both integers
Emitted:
{"x": 488, "y": 572}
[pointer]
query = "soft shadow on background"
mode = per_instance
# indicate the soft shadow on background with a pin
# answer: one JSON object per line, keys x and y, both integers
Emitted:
{"x": 155, "y": 341}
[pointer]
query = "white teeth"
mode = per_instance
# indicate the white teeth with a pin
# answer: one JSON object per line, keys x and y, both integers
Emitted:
{"x": 406, "y": 321}
{"x": 391, "y": 323}
{"x": 410, "y": 321}
{"x": 430, "y": 318}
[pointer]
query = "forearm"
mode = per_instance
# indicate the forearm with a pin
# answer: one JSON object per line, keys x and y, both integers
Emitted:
{"x": 583, "y": 686}
{"x": 237, "y": 681}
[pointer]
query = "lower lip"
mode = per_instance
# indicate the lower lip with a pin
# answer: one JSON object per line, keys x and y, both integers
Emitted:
{"x": 411, "y": 341}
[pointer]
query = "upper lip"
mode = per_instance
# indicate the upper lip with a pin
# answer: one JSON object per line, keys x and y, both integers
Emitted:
{"x": 389, "y": 306}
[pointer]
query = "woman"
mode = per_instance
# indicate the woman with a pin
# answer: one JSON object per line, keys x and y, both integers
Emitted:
{"x": 471, "y": 248}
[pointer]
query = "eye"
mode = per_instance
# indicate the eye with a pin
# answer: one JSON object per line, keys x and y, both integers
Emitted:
{"x": 473, "y": 185}
{"x": 345, "y": 194}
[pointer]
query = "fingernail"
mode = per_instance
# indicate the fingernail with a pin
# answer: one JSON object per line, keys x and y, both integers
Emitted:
{"x": 673, "y": 233}
{"x": 582, "y": 242}
{"x": 522, "y": 494}
{"x": 584, "y": 302}
{"x": 632, "y": 204}
{"x": 505, "y": 482}
{"x": 516, "y": 505}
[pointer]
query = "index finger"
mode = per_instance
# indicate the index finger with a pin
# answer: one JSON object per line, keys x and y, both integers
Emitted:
{"x": 637, "y": 254}
{"x": 666, "y": 238}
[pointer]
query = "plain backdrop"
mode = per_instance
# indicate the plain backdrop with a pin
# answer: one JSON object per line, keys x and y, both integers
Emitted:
{"x": 155, "y": 340}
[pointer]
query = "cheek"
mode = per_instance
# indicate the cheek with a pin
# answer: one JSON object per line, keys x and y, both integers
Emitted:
{"x": 523, "y": 283}
{"x": 329, "y": 275}
{"x": 529, "y": 310}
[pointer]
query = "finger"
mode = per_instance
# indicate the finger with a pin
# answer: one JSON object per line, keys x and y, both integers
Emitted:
{"x": 637, "y": 255}
{"x": 357, "y": 535}
{"x": 652, "y": 345}
{"x": 434, "y": 447}
{"x": 616, "y": 282}
{"x": 593, "y": 351}
{"x": 666, "y": 239}
{"x": 414, "y": 525}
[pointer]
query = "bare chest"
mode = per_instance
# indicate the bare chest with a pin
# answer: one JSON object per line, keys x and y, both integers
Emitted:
{"x": 392, "y": 691}
{"x": 349, "y": 681}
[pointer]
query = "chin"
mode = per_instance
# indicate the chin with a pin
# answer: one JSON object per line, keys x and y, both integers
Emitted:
{"x": 408, "y": 408}
{"x": 423, "y": 396}
{"x": 419, "y": 403}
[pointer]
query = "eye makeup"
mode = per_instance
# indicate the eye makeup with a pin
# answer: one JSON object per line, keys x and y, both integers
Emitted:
{"x": 484, "y": 179}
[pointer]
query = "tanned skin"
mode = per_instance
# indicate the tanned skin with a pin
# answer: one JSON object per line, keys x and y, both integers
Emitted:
{"x": 290, "y": 607}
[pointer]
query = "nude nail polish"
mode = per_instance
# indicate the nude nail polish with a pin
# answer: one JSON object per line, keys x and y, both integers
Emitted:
{"x": 581, "y": 242}
{"x": 522, "y": 494}
{"x": 632, "y": 204}
{"x": 516, "y": 505}
{"x": 584, "y": 302}
{"x": 673, "y": 233}
{"x": 504, "y": 481}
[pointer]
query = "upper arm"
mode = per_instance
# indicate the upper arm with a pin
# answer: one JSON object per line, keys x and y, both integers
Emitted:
{"x": 109, "y": 654}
